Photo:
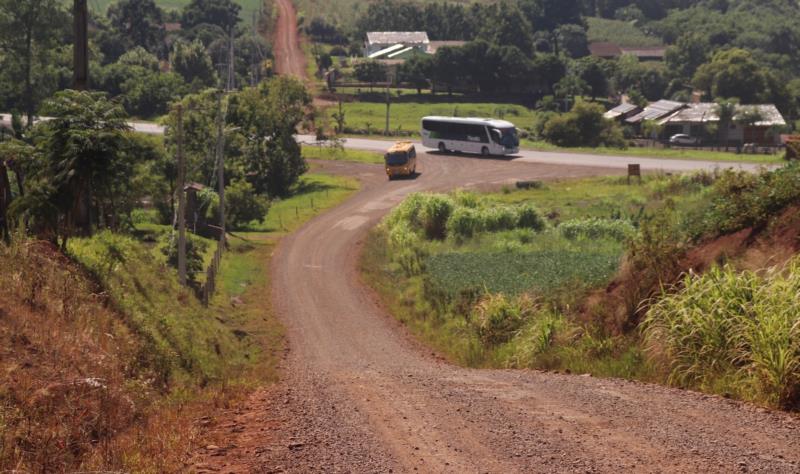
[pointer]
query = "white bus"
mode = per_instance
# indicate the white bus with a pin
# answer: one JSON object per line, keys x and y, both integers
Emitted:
{"x": 470, "y": 135}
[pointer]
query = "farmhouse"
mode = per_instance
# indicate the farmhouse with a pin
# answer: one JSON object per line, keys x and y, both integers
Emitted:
{"x": 391, "y": 44}
{"x": 757, "y": 124}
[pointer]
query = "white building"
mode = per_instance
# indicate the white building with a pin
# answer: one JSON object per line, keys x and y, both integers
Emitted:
{"x": 381, "y": 44}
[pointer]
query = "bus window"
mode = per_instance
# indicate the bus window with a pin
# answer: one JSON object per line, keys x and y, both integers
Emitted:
{"x": 396, "y": 159}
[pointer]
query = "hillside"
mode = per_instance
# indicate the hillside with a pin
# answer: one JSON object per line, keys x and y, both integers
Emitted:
{"x": 249, "y": 7}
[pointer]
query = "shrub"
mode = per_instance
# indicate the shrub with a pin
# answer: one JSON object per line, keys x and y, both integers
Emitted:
{"x": 464, "y": 223}
{"x": 435, "y": 212}
{"x": 594, "y": 228}
{"x": 743, "y": 327}
{"x": 194, "y": 253}
{"x": 497, "y": 218}
{"x": 497, "y": 318}
{"x": 243, "y": 205}
{"x": 584, "y": 126}
{"x": 528, "y": 217}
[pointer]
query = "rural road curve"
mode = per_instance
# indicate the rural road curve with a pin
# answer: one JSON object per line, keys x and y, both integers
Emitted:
{"x": 360, "y": 395}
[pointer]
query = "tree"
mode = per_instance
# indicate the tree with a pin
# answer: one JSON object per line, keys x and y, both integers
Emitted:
{"x": 243, "y": 205}
{"x": 222, "y": 13}
{"x": 139, "y": 23}
{"x": 81, "y": 168}
{"x": 509, "y": 27}
{"x": 151, "y": 94}
{"x": 28, "y": 29}
{"x": 592, "y": 71}
{"x": 731, "y": 73}
{"x": 691, "y": 50}
{"x": 584, "y": 125}
{"x": 571, "y": 86}
{"x": 371, "y": 72}
{"x": 572, "y": 40}
{"x": 726, "y": 111}
{"x": 193, "y": 63}
{"x": 417, "y": 70}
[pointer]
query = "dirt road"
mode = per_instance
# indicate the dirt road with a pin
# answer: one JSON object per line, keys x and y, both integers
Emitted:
{"x": 359, "y": 395}
{"x": 289, "y": 57}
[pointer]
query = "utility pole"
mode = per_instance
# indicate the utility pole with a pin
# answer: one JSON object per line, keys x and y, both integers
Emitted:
{"x": 231, "y": 69}
{"x": 221, "y": 165}
{"x": 80, "y": 80}
{"x": 181, "y": 202}
{"x": 388, "y": 104}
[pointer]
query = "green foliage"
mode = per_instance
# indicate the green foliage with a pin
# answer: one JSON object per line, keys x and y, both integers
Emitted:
{"x": 739, "y": 199}
{"x": 81, "y": 167}
{"x": 584, "y": 125}
{"x": 193, "y": 63}
{"x": 243, "y": 205}
{"x": 732, "y": 73}
{"x": 497, "y": 318}
{"x": 734, "y": 331}
{"x": 623, "y": 33}
{"x": 221, "y": 13}
{"x": 370, "y": 71}
{"x": 138, "y": 23}
{"x": 434, "y": 214}
{"x": 594, "y": 228}
{"x": 194, "y": 253}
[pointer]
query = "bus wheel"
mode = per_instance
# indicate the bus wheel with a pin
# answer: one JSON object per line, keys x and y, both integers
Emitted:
{"x": 442, "y": 148}
{"x": 484, "y": 152}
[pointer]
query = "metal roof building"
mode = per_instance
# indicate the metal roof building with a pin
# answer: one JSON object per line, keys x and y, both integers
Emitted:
{"x": 656, "y": 111}
{"x": 380, "y": 41}
{"x": 622, "y": 111}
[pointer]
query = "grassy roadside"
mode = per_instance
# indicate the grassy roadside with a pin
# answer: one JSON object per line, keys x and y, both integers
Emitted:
{"x": 155, "y": 361}
{"x": 311, "y": 152}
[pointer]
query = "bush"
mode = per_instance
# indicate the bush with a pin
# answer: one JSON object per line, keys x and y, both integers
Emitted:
{"x": 583, "y": 126}
{"x": 464, "y": 223}
{"x": 497, "y": 218}
{"x": 243, "y": 205}
{"x": 528, "y": 217}
{"x": 194, "y": 254}
{"x": 497, "y": 318}
{"x": 435, "y": 212}
{"x": 743, "y": 327}
{"x": 594, "y": 228}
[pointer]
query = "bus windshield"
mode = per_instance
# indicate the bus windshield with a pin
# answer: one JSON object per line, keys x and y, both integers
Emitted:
{"x": 396, "y": 159}
{"x": 506, "y": 137}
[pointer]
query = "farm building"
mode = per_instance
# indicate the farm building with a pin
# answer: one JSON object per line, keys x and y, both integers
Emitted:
{"x": 391, "y": 44}
{"x": 756, "y": 124}
{"x": 607, "y": 50}
{"x": 656, "y": 111}
{"x": 622, "y": 111}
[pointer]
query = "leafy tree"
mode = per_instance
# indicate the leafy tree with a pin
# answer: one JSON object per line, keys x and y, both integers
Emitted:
{"x": 150, "y": 95}
{"x": 417, "y": 70}
{"x": 691, "y": 50}
{"x": 371, "y": 72}
{"x": 593, "y": 71}
{"x": 243, "y": 205}
{"x": 584, "y": 125}
{"x": 571, "y": 86}
{"x": 572, "y": 40}
{"x": 509, "y": 27}
{"x": 731, "y": 73}
{"x": 139, "y": 23}
{"x": 221, "y": 13}
{"x": 29, "y": 29}
{"x": 726, "y": 111}
{"x": 81, "y": 167}
{"x": 193, "y": 63}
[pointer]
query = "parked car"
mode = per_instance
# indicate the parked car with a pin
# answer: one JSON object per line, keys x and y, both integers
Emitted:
{"x": 683, "y": 139}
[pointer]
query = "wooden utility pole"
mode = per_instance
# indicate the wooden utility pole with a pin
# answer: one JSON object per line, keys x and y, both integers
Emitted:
{"x": 388, "y": 104}
{"x": 80, "y": 49}
{"x": 221, "y": 165}
{"x": 5, "y": 200}
{"x": 181, "y": 201}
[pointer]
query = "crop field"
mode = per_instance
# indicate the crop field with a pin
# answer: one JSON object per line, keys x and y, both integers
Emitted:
{"x": 513, "y": 273}
{"x": 248, "y": 6}
{"x": 621, "y": 32}
{"x": 345, "y": 12}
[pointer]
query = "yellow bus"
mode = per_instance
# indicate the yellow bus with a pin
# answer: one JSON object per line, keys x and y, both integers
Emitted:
{"x": 401, "y": 160}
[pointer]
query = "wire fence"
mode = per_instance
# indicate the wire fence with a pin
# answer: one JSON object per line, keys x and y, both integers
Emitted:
{"x": 210, "y": 286}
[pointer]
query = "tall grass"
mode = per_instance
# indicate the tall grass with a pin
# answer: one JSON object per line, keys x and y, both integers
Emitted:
{"x": 732, "y": 332}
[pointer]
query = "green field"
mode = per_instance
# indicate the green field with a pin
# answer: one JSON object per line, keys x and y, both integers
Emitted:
{"x": 248, "y": 6}
{"x": 405, "y": 116}
{"x": 337, "y": 154}
{"x": 622, "y": 33}
{"x": 345, "y": 12}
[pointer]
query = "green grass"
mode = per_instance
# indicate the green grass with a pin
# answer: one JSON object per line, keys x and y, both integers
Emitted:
{"x": 314, "y": 193}
{"x": 406, "y": 116}
{"x": 667, "y": 153}
{"x": 345, "y": 12}
{"x": 311, "y": 152}
{"x": 246, "y": 13}
{"x": 621, "y": 32}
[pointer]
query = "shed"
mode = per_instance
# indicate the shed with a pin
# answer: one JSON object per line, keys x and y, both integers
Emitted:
{"x": 656, "y": 111}
{"x": 622, "y": 111}
{"x": 765, "y": 118}
{"x": 378, "y": 41}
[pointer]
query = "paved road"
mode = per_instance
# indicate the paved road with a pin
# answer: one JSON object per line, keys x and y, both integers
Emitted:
{"x": 573, "y": 159}
{"x": 359, "y": 395}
